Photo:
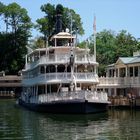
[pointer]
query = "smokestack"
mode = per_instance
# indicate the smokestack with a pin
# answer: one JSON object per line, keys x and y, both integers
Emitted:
{"x": 58, "y": 23}
{"x": 59, "y": 13}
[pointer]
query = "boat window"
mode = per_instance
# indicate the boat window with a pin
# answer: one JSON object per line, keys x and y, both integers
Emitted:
{"x": 90, "y": 68}
{"x": 50, "y": 69}
{"x": 42, "y": 69}
{"x": 61, "y": 68}
{"x": 78, "y": 84}
{"x": 51, "y": 51}
{"x": 36, "y": 57}
{"x": 68, "y": 68}
{"x": 52, "y": 88}
{"x": 42, "y": 53}
{"x": 41, "y": 89}
{"x": 65, "y": 85}
{"x": 80, "y": 68}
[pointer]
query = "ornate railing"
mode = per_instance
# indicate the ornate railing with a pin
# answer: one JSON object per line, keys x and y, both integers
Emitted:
{"x": 103, "y": 81}
{"x": 59, "y": 58}
{"x": 119, "y": 81}
{"x": 86, "y": 95}
{"x": 60, "y": 77}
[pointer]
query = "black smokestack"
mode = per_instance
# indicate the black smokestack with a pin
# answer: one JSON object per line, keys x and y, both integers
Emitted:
{"x": 59, "y": 13}
{"x": 58, "y": 23}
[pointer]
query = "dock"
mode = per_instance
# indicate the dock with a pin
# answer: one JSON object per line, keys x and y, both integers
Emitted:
{"x": 10, "y": 86}
{"x": 124, "y": 103}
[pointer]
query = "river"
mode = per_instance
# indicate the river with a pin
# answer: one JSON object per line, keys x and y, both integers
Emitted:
{"x": 17, "y": 123}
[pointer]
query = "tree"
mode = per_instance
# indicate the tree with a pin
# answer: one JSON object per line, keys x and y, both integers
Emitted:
{"x": 43, "y": 28}
{"x": 14, "y": 40}
{"x": 16, "y": 17}
{"x": 37, "y": 42}
{"x": 47, "y": 24}
{"x": 71, "y": 16}
{"x": 126, "y": 44}
{"x": 2, "y": 14}
{"x": 2, "y": 7}
{"x": 105, "y": 45}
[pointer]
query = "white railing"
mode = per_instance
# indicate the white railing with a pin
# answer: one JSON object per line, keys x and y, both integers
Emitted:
{"x": 59, "y": 58}
{"x": 60, "y": 77}
{"x": 84, "y": 58}
{"x": 119, "y": 81}
{"x": 82, "y": 95}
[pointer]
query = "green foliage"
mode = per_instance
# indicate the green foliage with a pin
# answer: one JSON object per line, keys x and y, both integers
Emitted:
{"x": 42, "y": 26}
{"x": 12, "y": 53}
{"x": 126, "y": 44}
{"x": 14, "y": 40}
{"x": 70, "y": 14}
{"x": 47, "y": 24}
{"x": 38, "y": 42}
{"x": 2, "y": 7}
{"x": 82, "y": 44}
{"x": 15, "y": 17}
{"x": 105, "y": 47}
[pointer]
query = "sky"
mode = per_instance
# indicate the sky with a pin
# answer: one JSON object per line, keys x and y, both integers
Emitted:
{"x": 110, "y": 14}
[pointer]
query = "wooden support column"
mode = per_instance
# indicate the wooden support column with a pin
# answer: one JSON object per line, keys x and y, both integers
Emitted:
{"x": 55, "y": 42}
{"x": 76, "y": 70}
{"x": 138, "y": 71}
{"x": 133, "y": 71}
{"x": 115, "y": 91}
{"x": 126, "y": 71}
{"x": 118, "y": 72}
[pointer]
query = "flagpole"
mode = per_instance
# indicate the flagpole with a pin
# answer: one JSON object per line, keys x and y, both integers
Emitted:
{"x": 94, "y": 33}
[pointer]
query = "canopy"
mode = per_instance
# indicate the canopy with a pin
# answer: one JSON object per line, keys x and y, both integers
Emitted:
{"x": 62, "y": 35}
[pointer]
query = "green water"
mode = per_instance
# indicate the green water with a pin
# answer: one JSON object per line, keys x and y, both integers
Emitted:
{"x": 17, "y": 123}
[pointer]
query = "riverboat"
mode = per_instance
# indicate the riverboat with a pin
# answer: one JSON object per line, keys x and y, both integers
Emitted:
{"x": 62, "y": 79}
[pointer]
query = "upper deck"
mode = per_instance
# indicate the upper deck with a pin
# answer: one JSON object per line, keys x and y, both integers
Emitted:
{"x": 58, "y": 56}
{"x": 60, "y": 62}
{"x": 59, "y": 53}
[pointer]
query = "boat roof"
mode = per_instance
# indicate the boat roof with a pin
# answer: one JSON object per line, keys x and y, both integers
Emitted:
{"x": 62, "y": 35}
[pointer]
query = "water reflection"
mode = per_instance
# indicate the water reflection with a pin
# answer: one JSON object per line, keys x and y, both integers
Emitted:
{"x": 125, "y": 124}
{"x": 19, "y": 123}
{"x": 71, "y": 126}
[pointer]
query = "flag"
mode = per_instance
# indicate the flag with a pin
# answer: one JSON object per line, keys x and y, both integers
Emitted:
{"x": 94, "y": 24}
